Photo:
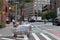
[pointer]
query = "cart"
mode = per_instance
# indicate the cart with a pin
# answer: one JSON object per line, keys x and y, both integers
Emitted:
{"x": 24, "y": 29}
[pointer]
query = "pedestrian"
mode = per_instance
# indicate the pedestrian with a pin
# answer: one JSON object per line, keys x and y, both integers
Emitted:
{"x": 14, "y": 29}
{"x": 14, "y": 22}
{"x": 44, "y": 21}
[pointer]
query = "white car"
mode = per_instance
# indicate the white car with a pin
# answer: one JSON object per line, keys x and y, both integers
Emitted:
{"x": 23, "y": 29}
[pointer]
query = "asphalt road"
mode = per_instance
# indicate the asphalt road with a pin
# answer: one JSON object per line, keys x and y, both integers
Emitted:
{"x": 40, "y": 31}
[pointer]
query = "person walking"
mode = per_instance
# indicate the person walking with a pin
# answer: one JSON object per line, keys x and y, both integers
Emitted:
{"x": 14, "y": 22}
{"x": 15, "y": 28}
{"x": 45, "y": 21}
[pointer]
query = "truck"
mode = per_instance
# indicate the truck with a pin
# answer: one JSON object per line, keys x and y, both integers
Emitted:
{"x": 39, "y": 19}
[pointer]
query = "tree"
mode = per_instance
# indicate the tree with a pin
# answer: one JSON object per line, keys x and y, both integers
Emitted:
{"x": 44, "y": 15}
{"x": 1, "y": 1}
{"x": 51, "y": 14}
{"x": 21, "y": 6}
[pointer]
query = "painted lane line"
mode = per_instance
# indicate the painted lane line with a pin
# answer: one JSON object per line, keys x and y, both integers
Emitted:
{"x": 52, "y": 35}
{"x": 0, "y": 34}
{"x": 32, "y": 26}
{"x": 37, "y": 28}
{"x": 25, "y": 38}
{"x": 49, "y": 33}
{"x": 11, "y": 39}
{"x": 19, "y": 38}
{"x": 45, "y": 36}
{"x": 7, "y": 39}
{"x": 35, "y": 36}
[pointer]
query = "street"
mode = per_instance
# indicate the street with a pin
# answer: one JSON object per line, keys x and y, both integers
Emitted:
{"x": 40, "y": 31}
{"x": 39, "y": 13}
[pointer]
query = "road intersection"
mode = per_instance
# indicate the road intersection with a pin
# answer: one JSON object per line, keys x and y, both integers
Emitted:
{"x": 39, "y": 32}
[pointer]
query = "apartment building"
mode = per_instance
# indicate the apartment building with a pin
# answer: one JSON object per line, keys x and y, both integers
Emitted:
{"x": 39, "y": 4}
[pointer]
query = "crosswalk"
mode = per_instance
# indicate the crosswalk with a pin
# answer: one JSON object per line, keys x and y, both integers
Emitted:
{"x": 36, "y": 36}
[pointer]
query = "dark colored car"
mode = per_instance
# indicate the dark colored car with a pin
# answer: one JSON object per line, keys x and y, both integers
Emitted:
{"x": 50, "y": 20}
{"x": 31, "y": 20}
{"x": 56, "y": 21}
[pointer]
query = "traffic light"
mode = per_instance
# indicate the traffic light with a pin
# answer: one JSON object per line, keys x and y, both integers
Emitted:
{"x": 45, "y": 8}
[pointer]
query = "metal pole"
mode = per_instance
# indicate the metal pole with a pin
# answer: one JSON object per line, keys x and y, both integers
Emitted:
{"x": 16, "y": 13}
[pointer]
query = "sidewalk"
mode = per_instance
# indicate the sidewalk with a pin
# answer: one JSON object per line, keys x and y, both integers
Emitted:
{"x": 7, "y": 31}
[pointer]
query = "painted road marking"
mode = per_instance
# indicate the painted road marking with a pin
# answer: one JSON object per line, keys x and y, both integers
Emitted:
{"x": 35, "y": 36}
{"x": 0, "y": 34}
{"x": 32, "y": 26}
{"x": 51, "y": 34}
{"x": 11, "y": 39}
{"x": 7, "y": 39}
{"x": 25, "y": 38}
{"x": 19, "y": 38}
{"x": 45, "y": 36}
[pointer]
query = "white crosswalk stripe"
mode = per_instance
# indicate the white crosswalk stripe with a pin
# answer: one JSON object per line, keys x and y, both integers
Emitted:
{"x": 0, "y": 34}
{"x": 3, "y": 38}
{"x": 35, "y": 36}
{"x": 45, "y": 36}
{"x": 26, "y": 38}
{"x": 7, "y": 39}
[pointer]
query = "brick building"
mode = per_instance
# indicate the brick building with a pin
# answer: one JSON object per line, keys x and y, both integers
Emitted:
{"x": 5, "y": 11}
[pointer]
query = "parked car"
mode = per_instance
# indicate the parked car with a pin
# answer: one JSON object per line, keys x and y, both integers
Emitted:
{"x": 56, "y": 21}
{"x": 7, "y": 20}
{"x": 31, "y": 20}
{"x": 50, "y": 20}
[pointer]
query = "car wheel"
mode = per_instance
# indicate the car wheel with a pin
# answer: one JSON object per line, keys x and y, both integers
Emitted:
{"x": 15, "y": 35}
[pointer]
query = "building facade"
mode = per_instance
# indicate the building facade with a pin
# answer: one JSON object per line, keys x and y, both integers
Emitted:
{"x": 38, "y": 4}
{"x": 5, "y": 11}
{"x": 54, "y": 4}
